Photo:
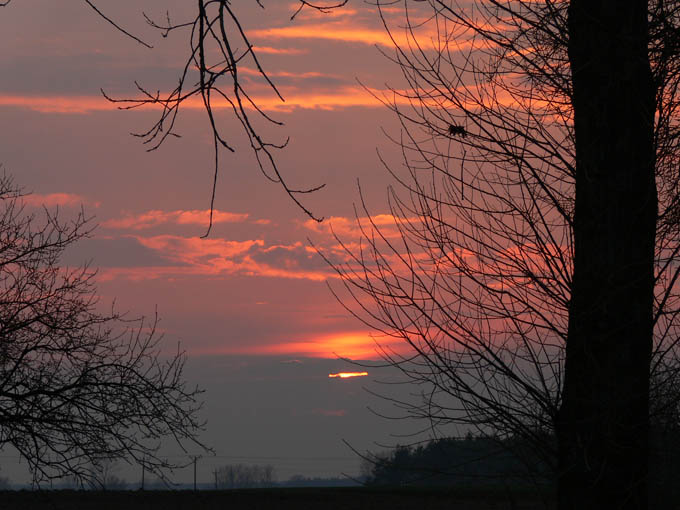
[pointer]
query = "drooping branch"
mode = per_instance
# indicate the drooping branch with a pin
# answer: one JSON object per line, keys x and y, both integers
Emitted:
{"x": 218, "y": 49}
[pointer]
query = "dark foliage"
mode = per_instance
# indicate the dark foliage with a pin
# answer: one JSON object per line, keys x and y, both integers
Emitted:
{"x": 460, "y": 462}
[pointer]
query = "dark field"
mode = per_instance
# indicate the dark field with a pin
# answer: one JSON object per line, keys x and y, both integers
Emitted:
{"x": 298, "y": 499}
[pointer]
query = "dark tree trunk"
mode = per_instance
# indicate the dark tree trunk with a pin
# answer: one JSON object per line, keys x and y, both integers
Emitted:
{"x": 603, "y": 423}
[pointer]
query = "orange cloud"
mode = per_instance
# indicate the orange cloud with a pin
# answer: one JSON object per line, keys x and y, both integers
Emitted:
{"x": 342, "y": 97}
{"x": 294, "y": 98}
{"x": 216, "y": 257}
{"x": 329, "y": 31}
{"x": 279, "y": 51}
{"x": 57, "y": 104}
{"x": 421, "y": 34}
{"x": 155, "y": 218}
{"x": 349, "y": 229}
{"x": 211, "y": 254}
{"x": 274, "y": 74}
{"x": 351, "y": 344}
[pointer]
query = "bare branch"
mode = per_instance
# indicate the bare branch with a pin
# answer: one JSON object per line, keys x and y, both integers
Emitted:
{"x": 118, "y": 27}
{"x": 78, "y": 387}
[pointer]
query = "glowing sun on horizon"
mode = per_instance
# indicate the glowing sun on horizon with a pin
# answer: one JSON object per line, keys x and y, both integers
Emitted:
{"x": 346, "y": 375}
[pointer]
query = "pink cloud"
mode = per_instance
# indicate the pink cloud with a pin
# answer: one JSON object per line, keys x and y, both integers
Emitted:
{"x": 349, "y": 229}
{"x": 57, "y": 104}
{"x": 56, "y": 199}
{"x": 155, "y": 218}
{"x": 211, "y": 254}
{"x": 340, "y": 97}
{"x": 219, "y": 257}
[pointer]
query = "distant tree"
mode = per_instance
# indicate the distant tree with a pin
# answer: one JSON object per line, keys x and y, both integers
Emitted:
{"x": 242, "y": 476}
{"x": 104, "y": 476}
{"x": 78, "y": 388}
{"x": 157, "y": 484}
{"x": 5, "y": 483}
{"x": 71, "y": 482}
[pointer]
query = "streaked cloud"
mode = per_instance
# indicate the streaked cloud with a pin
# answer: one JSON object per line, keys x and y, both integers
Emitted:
{"x": 344, "y": 97}
{"x": 57, "y": 199}
{"x": 279, "y": 51}
{"x": 155, "y": 218}
{"x": 350, "y": 229}
{"x": 213, "y": 253}
{"x": 350, "y": 344}
{"x": 252, "y": 256}
{"x": 194, "y": 256}
{"x": 334, "y": 31}
{"x": 419, "y": 34}
{"x": 57, "y": 104}
{"x": 332, "y": 99}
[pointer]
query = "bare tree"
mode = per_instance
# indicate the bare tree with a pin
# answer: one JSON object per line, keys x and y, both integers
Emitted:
{"x": 5, "y": 483}
{"x": 78, "y": 387}
{"x": 533, "y": 274}
{"x": 241, "y": 476}
{"x": 105, "y": 477}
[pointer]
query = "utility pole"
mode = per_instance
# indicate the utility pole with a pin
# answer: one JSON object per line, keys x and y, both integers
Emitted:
{"x": 195, "y": 458}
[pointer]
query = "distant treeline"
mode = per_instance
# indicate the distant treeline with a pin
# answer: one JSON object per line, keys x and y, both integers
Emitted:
{"x": 489, "y": 461}
{"x": 469, "y": 461}
{"x": 242, "y": 476}
{"x": 304, "y": 481}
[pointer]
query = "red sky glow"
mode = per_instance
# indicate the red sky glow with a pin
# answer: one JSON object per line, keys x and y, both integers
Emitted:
{"x": 255, "y": 285}
{"x": 249, "y": 304}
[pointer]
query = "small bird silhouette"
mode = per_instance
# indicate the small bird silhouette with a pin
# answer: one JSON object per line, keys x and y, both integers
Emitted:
{"x": 455, "y": 130}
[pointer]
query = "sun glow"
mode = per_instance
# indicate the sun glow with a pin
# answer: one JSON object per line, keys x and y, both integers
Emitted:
{"x": 345, "y": 375}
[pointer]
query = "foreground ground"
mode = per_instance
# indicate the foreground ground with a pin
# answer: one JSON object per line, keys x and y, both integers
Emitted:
{"x": 284, "y": 499}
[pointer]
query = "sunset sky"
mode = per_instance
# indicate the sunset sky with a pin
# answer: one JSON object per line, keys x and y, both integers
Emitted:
{"x": 249, "y": 304}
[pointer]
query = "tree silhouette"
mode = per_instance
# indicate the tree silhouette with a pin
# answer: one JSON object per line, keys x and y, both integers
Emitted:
{"x": 462, "y": 462}
{"x": 534, "y": 274}
{"x": 78, "y": 388}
